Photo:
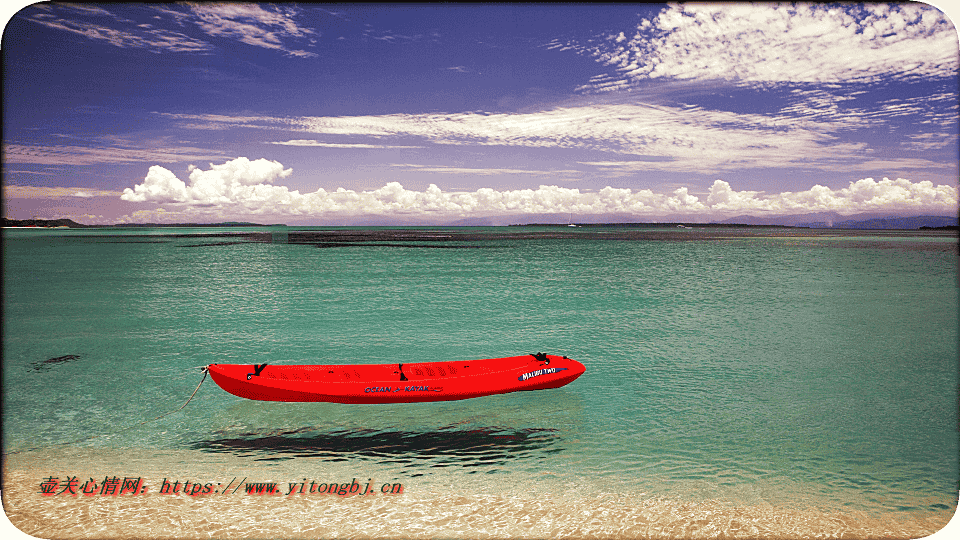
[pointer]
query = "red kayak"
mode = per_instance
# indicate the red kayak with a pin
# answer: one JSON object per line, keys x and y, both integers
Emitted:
{"x": 396, "y": 383}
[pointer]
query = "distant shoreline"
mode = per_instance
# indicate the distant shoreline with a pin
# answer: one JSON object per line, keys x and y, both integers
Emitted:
{"x": 69, "y": 223}
{"x": 884, "y": 225}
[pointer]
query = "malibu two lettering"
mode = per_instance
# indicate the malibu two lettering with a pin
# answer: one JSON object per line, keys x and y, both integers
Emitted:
{"x": 539, "y": 372}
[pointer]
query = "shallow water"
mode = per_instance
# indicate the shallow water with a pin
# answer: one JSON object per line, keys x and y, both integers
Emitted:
{"x": 760, "y": 384}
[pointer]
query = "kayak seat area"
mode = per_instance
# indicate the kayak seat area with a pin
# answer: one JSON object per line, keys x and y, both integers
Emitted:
{"x": 371, "y": 372}
{"x": 433, "y": 370}
{"x": 324, "y": 373}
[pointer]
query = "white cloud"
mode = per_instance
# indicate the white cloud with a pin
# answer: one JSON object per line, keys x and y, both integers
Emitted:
{"x": 242, "y": 187}
{"x": 252, "y": 24}
{"x": 812, "y": 131}
{"x": 312, "y": 142}
{"x": 772, "y": 43}
{"x": 82, "y": 155}
{"x": 272, "y": 27}
{"x": 484, "y": 171}
{"x": 238, "y": 181}
{"x": 44, "y": 192}
{"x": 678, "y": 139}
{"x": 39, "y": 173}
{"x": 129, "y": 35}
{"x": 160, "y": 185}
{"x": 158, "y": 215}
{"x": 929, "y": 141}
{"x": 865, "y": 195}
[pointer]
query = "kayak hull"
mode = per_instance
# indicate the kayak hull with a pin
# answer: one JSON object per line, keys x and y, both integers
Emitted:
{"x": 396, "y": 383}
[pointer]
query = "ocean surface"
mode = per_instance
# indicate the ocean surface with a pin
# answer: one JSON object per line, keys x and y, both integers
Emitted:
{"x": 743, "y": 383}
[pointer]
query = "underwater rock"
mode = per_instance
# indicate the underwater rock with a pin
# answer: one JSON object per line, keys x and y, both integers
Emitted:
{"x": 46, "y": 364}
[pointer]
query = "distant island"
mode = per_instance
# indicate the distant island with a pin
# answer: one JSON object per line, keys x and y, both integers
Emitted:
{"x": 46, "y": 223}
{"x": 648, "y": 225}
{"x": 69, "y": 223}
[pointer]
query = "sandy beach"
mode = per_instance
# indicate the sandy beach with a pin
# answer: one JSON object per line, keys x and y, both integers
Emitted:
{"x": 443, "y": 508}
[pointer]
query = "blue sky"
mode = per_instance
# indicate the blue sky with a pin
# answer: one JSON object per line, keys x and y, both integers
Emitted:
{"x": 398, "y": 113}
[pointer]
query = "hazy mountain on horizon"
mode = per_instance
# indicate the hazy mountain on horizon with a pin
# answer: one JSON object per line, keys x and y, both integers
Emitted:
{"x": 832, "y": 220}
{"x": 819, "y": 220}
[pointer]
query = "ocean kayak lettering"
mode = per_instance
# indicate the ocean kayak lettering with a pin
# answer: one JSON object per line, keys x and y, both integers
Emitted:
{"x": 539, "y": 372}
{"x": 377, "y": 389}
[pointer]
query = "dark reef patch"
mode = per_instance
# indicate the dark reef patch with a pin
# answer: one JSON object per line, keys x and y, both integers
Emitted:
{"x": 465, "y": 237}
{"x": 50, "y": 362}
{"x": 380, "y": 244}
{"x": 209, "y": 244}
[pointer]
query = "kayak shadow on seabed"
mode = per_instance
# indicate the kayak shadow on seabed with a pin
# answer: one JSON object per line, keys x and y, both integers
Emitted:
{"x": 465, "y": 448}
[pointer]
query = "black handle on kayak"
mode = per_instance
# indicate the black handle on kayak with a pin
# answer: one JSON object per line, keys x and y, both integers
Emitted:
{"x": 256, "y": 370}
{"x": 542, "y": 357}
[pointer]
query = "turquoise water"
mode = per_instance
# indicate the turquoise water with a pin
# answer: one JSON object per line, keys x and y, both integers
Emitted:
{"x": 813, "y": 371}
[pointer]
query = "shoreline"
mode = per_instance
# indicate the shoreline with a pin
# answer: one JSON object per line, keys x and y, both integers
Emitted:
{"x": 446, "y": 507}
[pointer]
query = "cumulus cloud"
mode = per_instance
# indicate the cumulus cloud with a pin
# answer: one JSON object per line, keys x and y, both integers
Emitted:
{"x": 238, "y": 181}
{"x": 157, "y": 215}
{"x": 772, "y": 43}
{"x": 865, "y": 195}
{"x": 244, "y": 187}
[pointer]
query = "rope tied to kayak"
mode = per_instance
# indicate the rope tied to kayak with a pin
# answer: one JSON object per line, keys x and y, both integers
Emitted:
{"x": 205, "y": 370}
